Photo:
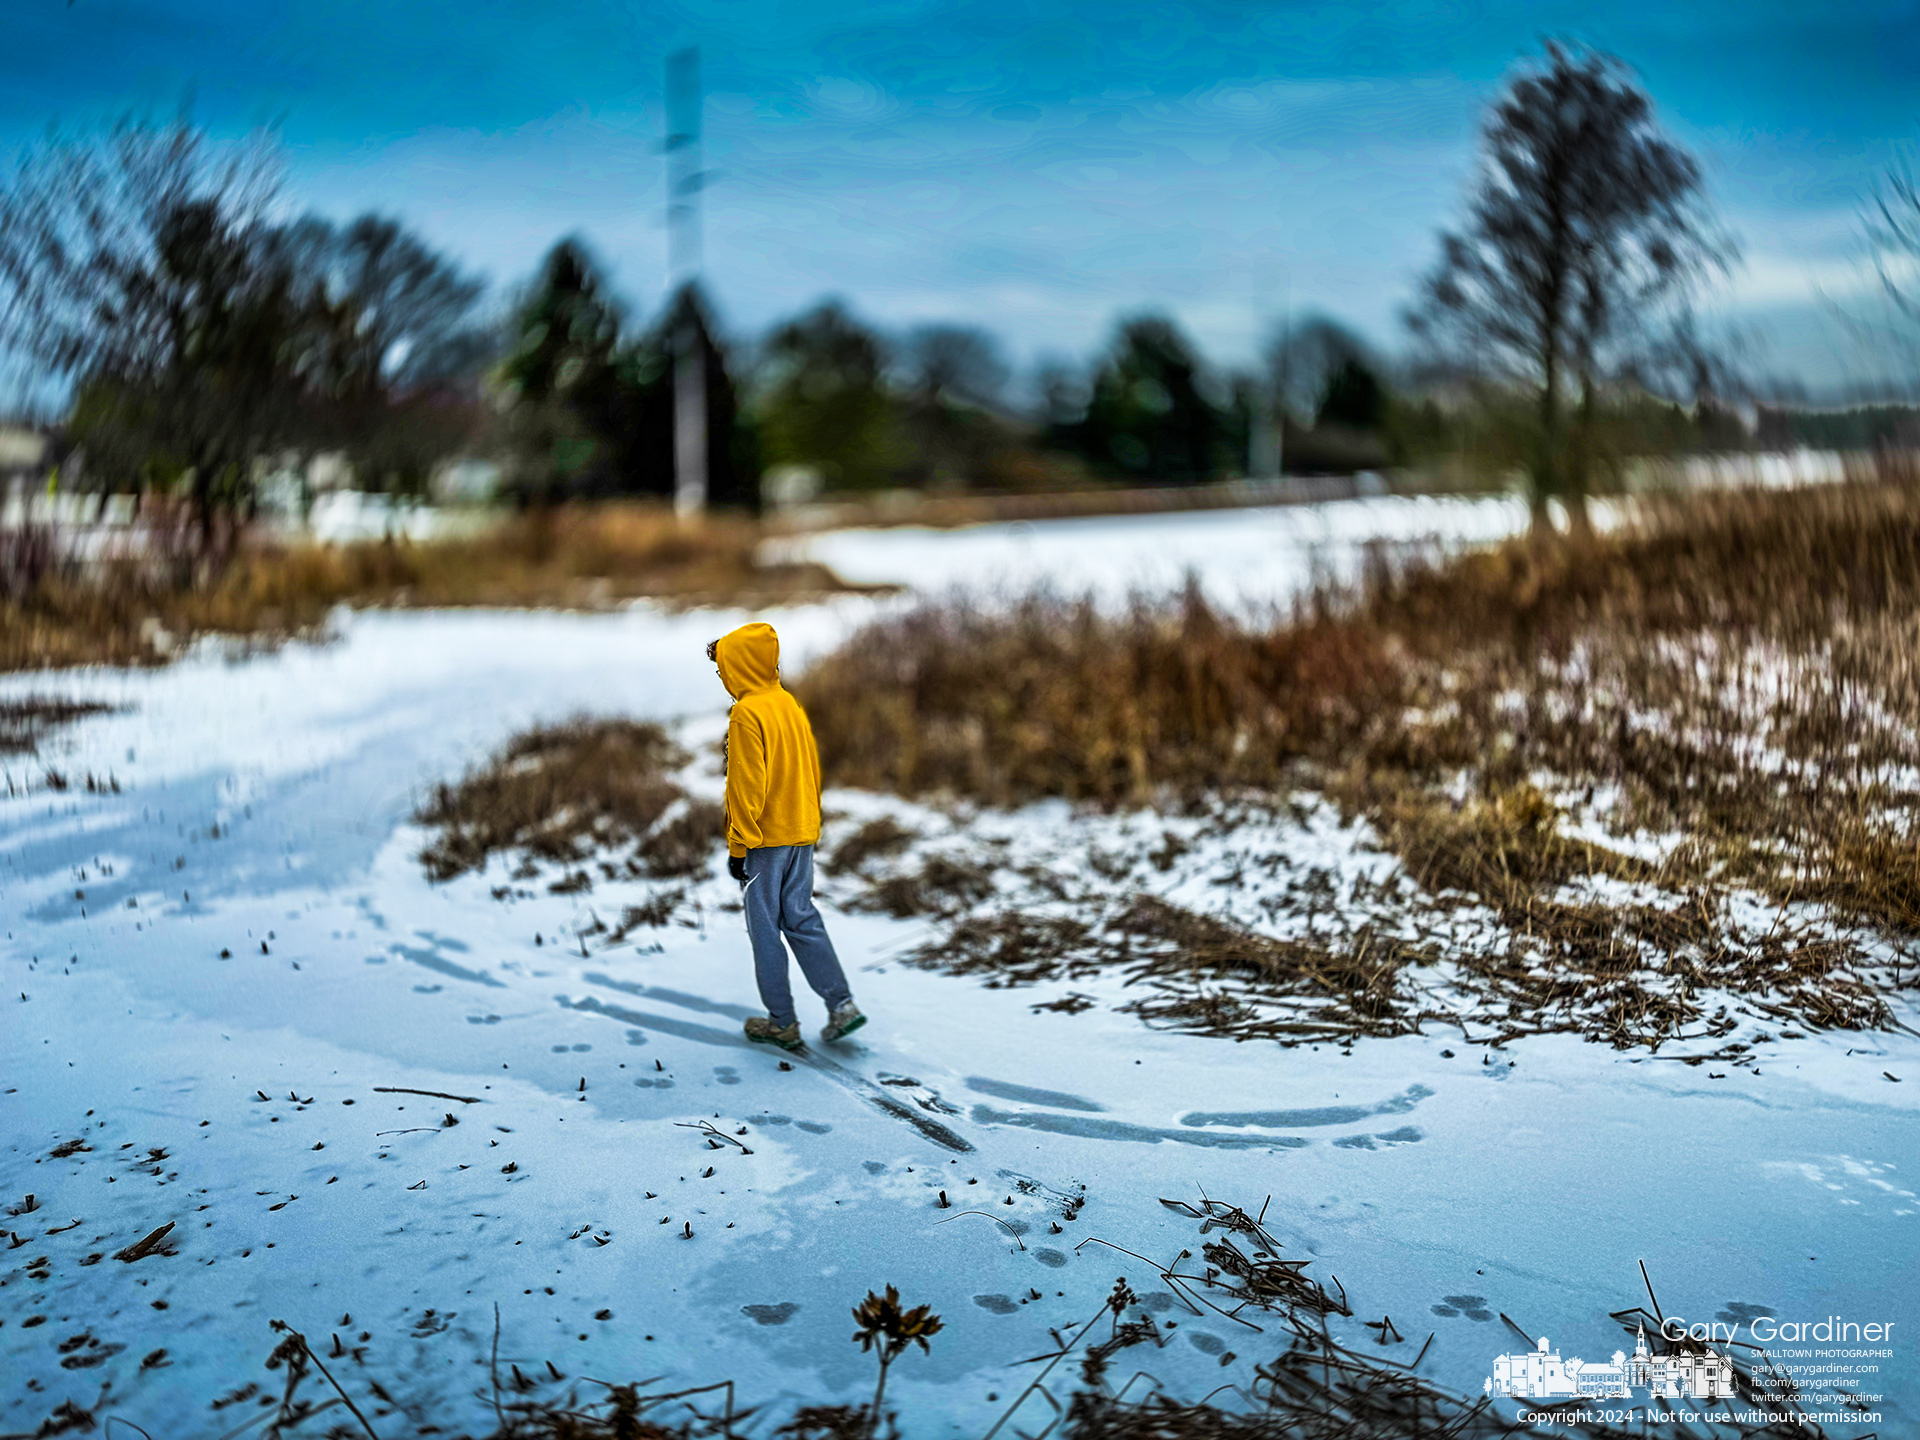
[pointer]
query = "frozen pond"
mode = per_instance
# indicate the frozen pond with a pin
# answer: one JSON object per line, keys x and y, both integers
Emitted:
{"x": 247, "y": 918}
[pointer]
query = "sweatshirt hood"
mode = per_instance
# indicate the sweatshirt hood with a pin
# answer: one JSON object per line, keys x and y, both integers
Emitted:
{"x": 749, "y": 659}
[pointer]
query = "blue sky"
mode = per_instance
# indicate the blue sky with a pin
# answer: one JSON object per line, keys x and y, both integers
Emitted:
{"x": 1039, "y": 169}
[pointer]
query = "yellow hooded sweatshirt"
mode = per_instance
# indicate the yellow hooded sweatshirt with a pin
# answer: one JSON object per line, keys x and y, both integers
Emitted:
{"x": 773, "y": 769}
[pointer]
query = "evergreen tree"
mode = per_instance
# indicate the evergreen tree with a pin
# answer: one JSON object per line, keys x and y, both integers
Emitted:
{"x": 824, "y": 403}
{"x": 569, "y": 402}
{"x": 1354, "y": 398}
{"x": 1148, "y": 417}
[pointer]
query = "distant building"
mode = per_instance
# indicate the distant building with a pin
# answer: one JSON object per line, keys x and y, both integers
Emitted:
{"x": 786, "y": 486}
{"x": 22, "y": 451}
{"x": 465, "y": 481}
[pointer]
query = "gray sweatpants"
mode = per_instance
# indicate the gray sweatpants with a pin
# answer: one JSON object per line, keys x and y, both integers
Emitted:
{"x": 779, "y": 900}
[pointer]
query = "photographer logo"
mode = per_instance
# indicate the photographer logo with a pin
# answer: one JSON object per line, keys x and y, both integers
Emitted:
{"x": 1541, "y": 1374}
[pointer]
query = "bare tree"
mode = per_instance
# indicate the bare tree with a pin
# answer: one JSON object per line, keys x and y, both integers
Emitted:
{"x": 400, "y": 313}
{"x": 138, "y": 268}
{"x": 384, "y": 338}
{"x": 144, "y": 272}
{"x": 959, "y": 363}
{"x": 1892, "y": 225}
{"x": 92, "y": 236}
{"x": 1585, "y": 228}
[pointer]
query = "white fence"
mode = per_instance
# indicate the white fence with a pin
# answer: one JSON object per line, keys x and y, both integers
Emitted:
{"x": 1771, "y": 470}
{"x": 65, "y": 510}
{"x": 92, "y": 526}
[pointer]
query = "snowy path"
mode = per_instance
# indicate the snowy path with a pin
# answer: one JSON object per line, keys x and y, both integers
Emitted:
{"x": 263, "y": 813}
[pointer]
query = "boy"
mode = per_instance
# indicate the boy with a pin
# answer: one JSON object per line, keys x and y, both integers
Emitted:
{"x": 773, "y": 822}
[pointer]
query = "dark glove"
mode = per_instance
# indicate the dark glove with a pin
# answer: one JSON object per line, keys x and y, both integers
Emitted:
{"x": 737, "y": 868}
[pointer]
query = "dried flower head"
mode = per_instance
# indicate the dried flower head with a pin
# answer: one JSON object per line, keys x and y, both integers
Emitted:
{"x": 882, "y": 1321}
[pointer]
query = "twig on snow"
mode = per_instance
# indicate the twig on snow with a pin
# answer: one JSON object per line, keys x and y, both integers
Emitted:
{"x": 996, "y": 1220}
{"x": 436, "y": 1094}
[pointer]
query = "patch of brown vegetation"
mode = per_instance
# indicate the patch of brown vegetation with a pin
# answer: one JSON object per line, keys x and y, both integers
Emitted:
{"x": 1497, "y": 847}
{"x": 1328, "y": 988}
{"x": 1052, "y": 698}
{"x": 875, "y": 840}
{"x": 943, "y": 885}
{"x": 24, "y": 721}
{"x": 1198, "y": 972}
{"x": 563, "y": 794}
{"x": 1011, "y": 948}
{"x": 683, "y": 846}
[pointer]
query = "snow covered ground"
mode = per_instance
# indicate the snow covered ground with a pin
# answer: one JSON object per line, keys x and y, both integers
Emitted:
{"x": 1241, "y": 558}
{"x": 247, "y": 918}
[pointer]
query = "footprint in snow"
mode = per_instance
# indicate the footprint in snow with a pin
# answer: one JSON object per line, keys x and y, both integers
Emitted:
{"x": 1030, "y": 1095}
{"x": 1405, "y": 1135}
{"x": 998, "y": 1304}
{"x": 431, "y": 1323}
{"x": 770, "y": 1314}
{"x": 1472, "y": 1306}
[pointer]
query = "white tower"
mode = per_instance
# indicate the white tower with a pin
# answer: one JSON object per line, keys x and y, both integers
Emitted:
{"x": 684, "y": 182}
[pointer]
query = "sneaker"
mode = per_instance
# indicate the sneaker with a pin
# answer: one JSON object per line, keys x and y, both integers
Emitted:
{"x": 843, "y": 1022}
{"x": 762, "y": 1029}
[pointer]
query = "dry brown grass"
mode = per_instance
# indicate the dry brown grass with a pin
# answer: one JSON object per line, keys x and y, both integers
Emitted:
{"x": 1193, "y": 972}
{"x": 564, "y": 794}
{"x": 941, "y": 886}
{"x": 1499, "y": 847}
{"x": 1629, "y": 973}
{"x": 876, "y": 839}
{"x": 1738, "y": 673}
{"x": 24, "y": 721}
{"x": 582, "y": 557}
{"x": 1353, "y": 985}
{"x": 1052, "y": 698}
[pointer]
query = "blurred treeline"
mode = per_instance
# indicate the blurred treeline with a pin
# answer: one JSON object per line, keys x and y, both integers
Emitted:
{"x": 941, "y": 408}
{"x": 207, "y": 337}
